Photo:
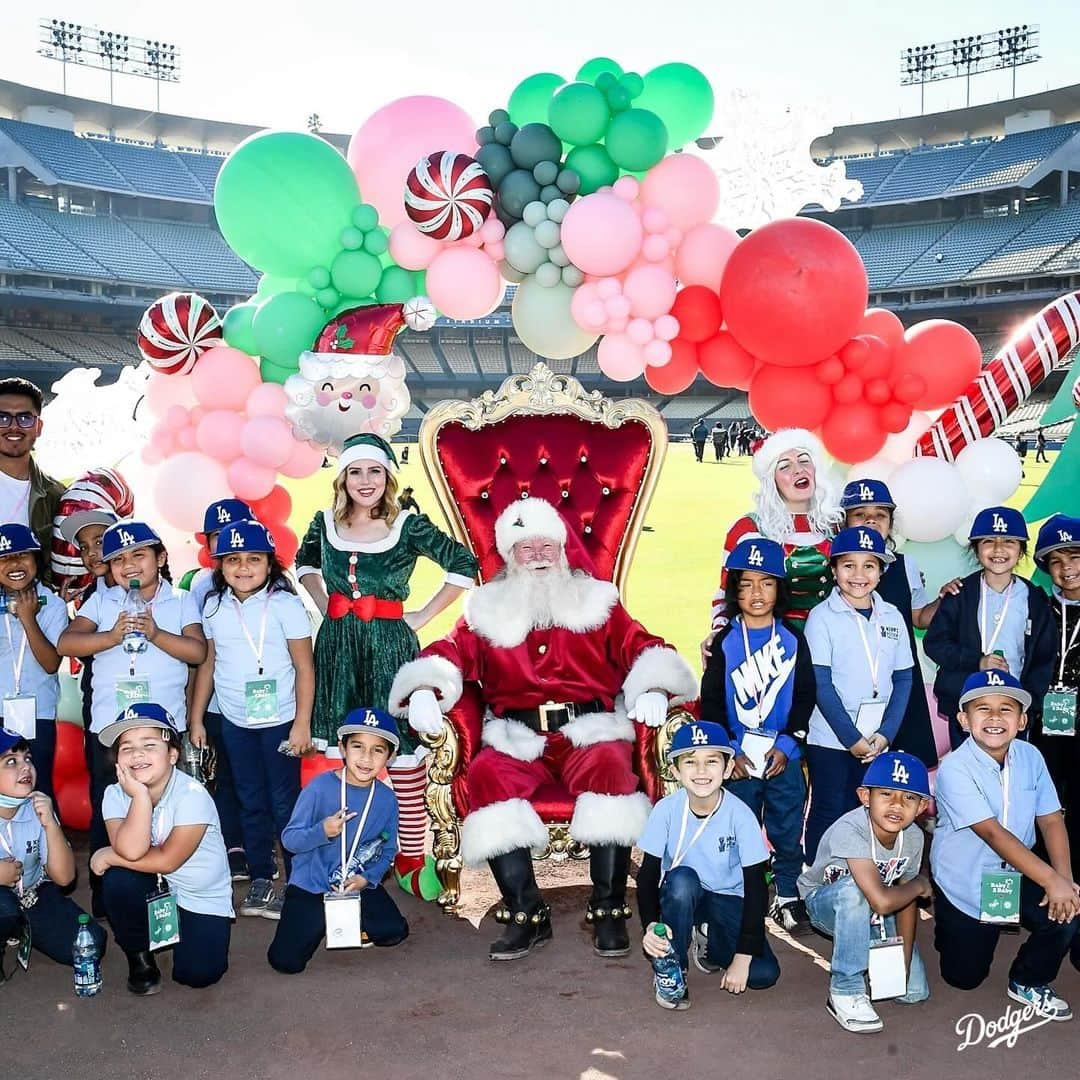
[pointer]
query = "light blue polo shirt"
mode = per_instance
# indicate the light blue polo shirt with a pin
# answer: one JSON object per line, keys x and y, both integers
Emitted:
{"x": 52, "y": 620}
{"x": 969, "y": 790}
{"x": 731, "y": 840}
{"x": 1011, "y": 639}
{"x": 24, "y": 835}
{"x": 832, "y": 633}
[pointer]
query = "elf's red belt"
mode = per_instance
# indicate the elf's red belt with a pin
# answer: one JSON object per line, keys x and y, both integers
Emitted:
{"x": 365, "y": 608}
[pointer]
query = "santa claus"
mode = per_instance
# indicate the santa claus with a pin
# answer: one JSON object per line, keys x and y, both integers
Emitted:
{"x": 563, "y": 670}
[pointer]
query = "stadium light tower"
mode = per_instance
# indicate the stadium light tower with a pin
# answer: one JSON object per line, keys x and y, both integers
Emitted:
{"x": 963, "y": 57}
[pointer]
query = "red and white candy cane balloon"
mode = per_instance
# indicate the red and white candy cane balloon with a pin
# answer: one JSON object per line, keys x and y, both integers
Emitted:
{"x": 176, "y": 330}
{"x": 1007, "y": 381}
{"x": 448, "y": 196}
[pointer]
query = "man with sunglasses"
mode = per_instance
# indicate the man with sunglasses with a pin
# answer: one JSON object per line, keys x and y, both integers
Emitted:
{"x": 28, "y": 496}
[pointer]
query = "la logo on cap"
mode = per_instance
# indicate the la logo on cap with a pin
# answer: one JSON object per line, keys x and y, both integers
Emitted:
{"x": 899, "y": 772}
{"x": 999, "y": 524}
{"x": 5, "y": 543}
{"x": 223, "y": 515}
{"x": 866, "y": 541}
{"x": 236, "y": 541}
{"x": 866, "y": 492}
{"x": 126, "y": 537}
{"x": 699, "y": 737}
{"x": 755, "y": 558}
{"x": 1064, "y": 537}
{"x": 131, "y": 714}
{"x": 994, "y": 679}
{"x": 370, "y": 719}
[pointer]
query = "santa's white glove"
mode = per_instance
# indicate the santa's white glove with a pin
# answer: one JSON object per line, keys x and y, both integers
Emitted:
{"x": 425, "y": 716}
{"x": 650, "y": 708}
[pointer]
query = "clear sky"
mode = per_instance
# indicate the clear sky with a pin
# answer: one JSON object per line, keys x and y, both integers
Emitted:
{"x": 244, "y": 62}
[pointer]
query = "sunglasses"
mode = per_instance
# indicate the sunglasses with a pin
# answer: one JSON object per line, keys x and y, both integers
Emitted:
{"x": 25, "y": 420}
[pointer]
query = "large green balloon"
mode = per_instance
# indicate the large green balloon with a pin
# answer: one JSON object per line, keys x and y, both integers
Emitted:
{"x": 682, "y": 97}
{"x": 595, "y": 167}
{"x": 579, "y": 114}
{"x": 237, "y": 329}
{"x": 529, "y": 101}
{"x": 597, "y": 66}
{"x": 543, "y": 321}
{"x": 274, "y": 373}
{"x": 271, "y": 284}
{"x": 285, "y": 325}
{"x": 282, "y": 199}
{"x": 636, "y": 140}
{"x": 355, "y": 273}
{"x": 396, "y": 286}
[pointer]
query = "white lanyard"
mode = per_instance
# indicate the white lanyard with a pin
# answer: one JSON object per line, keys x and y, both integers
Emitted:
{"x": 9, "y": 846}
{"x": 359, "y": 828}
{"x": 16, "y": 665}
{"x": 1065, "y": 649}
{"x": 680, "y": 851}
{"x": 257, "y": 650}
{"x": 872, "y": 662}
{"x": 753, "y": 685}
{"x": 887, "y": 878}
{"x": 988, "y": 646}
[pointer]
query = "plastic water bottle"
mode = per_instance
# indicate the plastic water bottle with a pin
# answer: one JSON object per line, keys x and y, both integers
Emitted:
{"x": 369, "y": 852}
{"x": 134, "y": 640}
{"x": 667, "y": 973}
{"x": 86, "y": 960}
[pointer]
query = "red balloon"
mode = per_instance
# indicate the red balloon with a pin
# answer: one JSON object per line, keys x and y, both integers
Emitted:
{"x": 830, "y": 371}
{"x": 274, "y": 508}
{"x": 205, "y": 559}
{"x": 697, "y": 308}
{"x": 879, "y": 358}
{"x": 877, "y": 392}
{"x": 724, "y": 362}
{"x": 908, "y": 388}
{"x": 882, "y": 323}
{"x": 895, "y": 416}
{"x": 788, "y": 397}
{"x": 848, "y": 389}
{"x": 678, "y": 373}
{"x": 945, "y": 355}
{"x": 853, "y": 432}
{"x": 69, "y": 759}
{"x": 310, "y": 767}
{"x": 73, "y": 801}
{"x": 794, "y": 291}
{"x": 855, "y": 353}
{"x": 286, "y": 544}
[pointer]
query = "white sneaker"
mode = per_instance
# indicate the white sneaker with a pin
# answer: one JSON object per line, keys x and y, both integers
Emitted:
{"x": 853, "y": 1012}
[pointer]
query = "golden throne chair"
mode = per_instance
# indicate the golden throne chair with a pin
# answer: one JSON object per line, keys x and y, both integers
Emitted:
{"x": 598, "y": 460}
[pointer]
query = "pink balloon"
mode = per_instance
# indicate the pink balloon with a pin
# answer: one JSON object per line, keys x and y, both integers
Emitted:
{"x": 304, "y": 460}
{"x": 184, "y": 485}
{"x": 410, "y": 248}
{"x": 618, "y": 307}
{"x": 608, "y": 287}
{"x": 163, "y": 391}
{"x": 684, "y": 187}
{"x": 185, "y": 438}
{"x": 620, "y": 358}
{"x": 654, "y": 219}
{"x": 151, "y": 455}
{"x": 666, "y": 328}
{"x": 267, "y": 399}
{"x": 176, "y": 419}
{"x": 249, "y": 480}
{"x": 639, "y": 331}
{"x": 219, "y": 435}
{"x": 464, "y": 283}
{"x": 651, "y": 291}
{"x": 267, "y": 441}
{"x": 703, "y": 254}
{"x": 626, "y": 188}
{"x": 601, "y": 234}
{"x": 162, "y": 439}
{"x": 195, "y": 415}
{"x": 655, "y": 248}
{"x": 223, "y": 378}
{"x": 495, "y": 250}
{"x": 492, "y": 231}
{"x": 392, "y": 140}
{"x": 657, "y": 353}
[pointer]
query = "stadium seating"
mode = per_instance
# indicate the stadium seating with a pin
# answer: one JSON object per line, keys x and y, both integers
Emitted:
{"x": 889, "y": 249}
{"x": 1010, "y": 159}
{"x": 522, "y": 358}
{"x": 421, "y": 352}
{"x": 1039, "y": 242}
{"x": 871, "y": 172}
{"x": 48, "y": 249}
{"x": 490, "y": 352}
{"x": 925, "y": 174}
{"x": 689, "y": 408}
{"x": 204, "y": 167}
{"x": 456, "y": 352}
{"x": 153, "y": 172}
{"x": 199, "y": 253}
{"x": 73, "y": 160}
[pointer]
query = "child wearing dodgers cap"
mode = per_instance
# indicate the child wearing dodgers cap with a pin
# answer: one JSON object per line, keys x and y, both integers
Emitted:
{"x": 704, "y": 865}
{"x": 865, "y": 881}
{"x": 993, "y": 793}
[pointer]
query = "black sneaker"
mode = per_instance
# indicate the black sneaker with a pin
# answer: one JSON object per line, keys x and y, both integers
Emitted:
{"x": 238, "y": 865}
{"x": 792, "y": 918}
{"x": 699, "y": 951}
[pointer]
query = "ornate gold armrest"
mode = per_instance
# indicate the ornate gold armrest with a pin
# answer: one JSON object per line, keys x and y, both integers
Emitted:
{"x": 443, "y": 764}
{"x": 676, "y": 718}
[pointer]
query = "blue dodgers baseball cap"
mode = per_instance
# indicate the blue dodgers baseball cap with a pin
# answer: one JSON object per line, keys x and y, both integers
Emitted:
{"x": 17, "y": 539}
{"x": 143, "y": 714}
{"x": 764, "y": 556}
{"x": 1059, "y": 531}
{"x": 866, "y": 493}
{"x": 900, "y": 771}
{"x": 998, "y": 522}
{"x": 699, "y": 735}
{"x": 859, "y": 540}
{"x": 8, "y": 739}
{"x": 225, "y": 512}
{"x": 983, "y": 683}
{"x": 243, "y": 536}
{"x": 125, "y": 535}
{"x": 372, "y": 721}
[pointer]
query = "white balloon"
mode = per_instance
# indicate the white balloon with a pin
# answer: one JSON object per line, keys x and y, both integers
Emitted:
{"x": 931, "y": 499}
{"x": 875, "y": 468}
{"x": 900, "y": 448}
{"x": 991, "y": 470}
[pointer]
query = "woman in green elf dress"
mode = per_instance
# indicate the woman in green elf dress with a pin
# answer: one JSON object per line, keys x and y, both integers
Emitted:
{"x": 356, "y": 561}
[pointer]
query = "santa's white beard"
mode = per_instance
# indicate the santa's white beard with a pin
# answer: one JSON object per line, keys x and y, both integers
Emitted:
{"x": 539, "y": 593}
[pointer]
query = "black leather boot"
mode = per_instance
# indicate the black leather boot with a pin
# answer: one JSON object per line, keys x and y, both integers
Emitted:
{"x": 144, "y": 978}
{"x": 608, "y": 911}
{"x": 527, "y": 917}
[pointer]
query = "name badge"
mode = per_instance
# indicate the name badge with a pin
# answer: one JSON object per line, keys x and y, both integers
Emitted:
{"x": 260, "y": 702}
{"x": 870, "y": 715}
{"x": 342, "y": 911}
{"x": 999, "y": 897}
{"x": 756, "y": 745}
{"x": 20, "y": 715}
{"x": 131, "y": 692}
{"x": 887, "y": 970}
{"x": 162, "y": 920}
{"x": 1059, "y": 711}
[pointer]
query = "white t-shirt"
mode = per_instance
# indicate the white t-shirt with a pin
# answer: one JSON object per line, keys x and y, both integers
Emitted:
{"x": 203, "y": 884}
{"x": 172, "y": 611}
{"x": 234, "y": 659}
{"x": 14, "y": 500}
{"x": 33, "y": 678}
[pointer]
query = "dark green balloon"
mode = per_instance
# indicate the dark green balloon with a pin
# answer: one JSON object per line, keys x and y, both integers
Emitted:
{"x": 637, "y": 139}
{"x": 589, "y": 71}
{"x": 568, "y": 181}
{"x": 535, "y": 143}
{"x": 578, "y": 114}
{"x": 529, "y": 101}
{"x": 594, "y": 167}
{"x": 496, "y": 161}
{"x": 505, "y": 133}
{"x": 395, "y": 287}
{"x": 517, "y": 190}
{"x": 485, "y": 135}
{"x": 498, "y": 116}
{"x": 236, "y": 327}
{"x": 546, "y": 172}
{"x": 618, "y": 98}
{"x": 632, "y": 83}
{"x": 285, "y": 325}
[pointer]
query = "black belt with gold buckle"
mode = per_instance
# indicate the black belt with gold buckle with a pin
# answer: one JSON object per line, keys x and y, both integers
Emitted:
{"x": 553, "y": 715}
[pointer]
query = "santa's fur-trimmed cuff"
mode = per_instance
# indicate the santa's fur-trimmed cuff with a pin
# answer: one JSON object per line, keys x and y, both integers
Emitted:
{"x": 513, "y": 738}
{"x": 660, "y": 668}
{"x": 430, "y": 673}
{"x": 609, "y": 819}
{"x": 500, "y": 828}
{"x": 599, "y": 727}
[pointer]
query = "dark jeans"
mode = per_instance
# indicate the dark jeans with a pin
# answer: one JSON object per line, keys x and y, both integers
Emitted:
{"x": 54, "y": 921}
{"x": 1062, "y": 754}
{"x": 228, "y": 806}
{"x": 200, "y": 957}
{"x": 966, "y": 946}
{"x": 43, "y": 751}
{"x": 834, "y": 776}
{"x": 267, "y": 787}
{"x": 102, "y": 774}
{"x": 699, "y": 449}
{"x": 779, "y": 803}
{"x": 686, "y": 903}
{"x": 303, "y": 926}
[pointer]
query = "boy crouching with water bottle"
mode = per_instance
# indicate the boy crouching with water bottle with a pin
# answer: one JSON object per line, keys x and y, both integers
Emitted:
{"x": 703, "y": 875}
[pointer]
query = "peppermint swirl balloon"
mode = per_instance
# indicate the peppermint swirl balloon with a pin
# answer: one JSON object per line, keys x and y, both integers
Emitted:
{"x": 448, "y": 196}
{"x": 176, "y": 330}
